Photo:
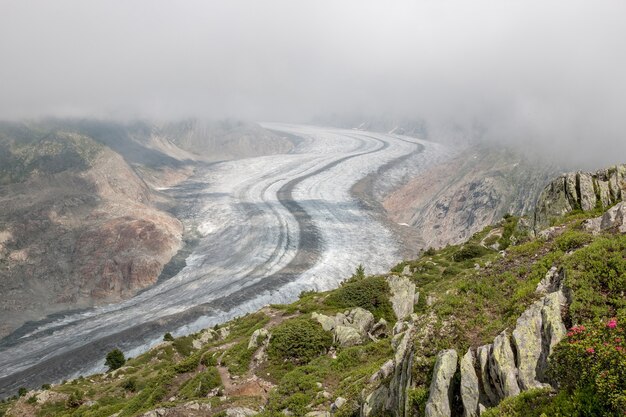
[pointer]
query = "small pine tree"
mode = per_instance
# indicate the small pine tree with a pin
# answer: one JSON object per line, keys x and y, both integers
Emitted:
{"x": 115, "y": 359}
{"x": 22, "y": 391}
{"x": 168, "y": 337}
{"x": 359, "y": 273}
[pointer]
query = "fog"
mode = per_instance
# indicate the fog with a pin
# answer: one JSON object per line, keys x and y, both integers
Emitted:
{"x": 541, "y": 75}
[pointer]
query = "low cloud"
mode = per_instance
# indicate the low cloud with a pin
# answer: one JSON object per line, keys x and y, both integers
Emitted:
{"x": 532, "y": 73}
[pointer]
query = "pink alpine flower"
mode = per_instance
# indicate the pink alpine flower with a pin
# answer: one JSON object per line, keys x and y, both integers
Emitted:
{"x": 591, "y": 350}
{"x": 612, "y": 323}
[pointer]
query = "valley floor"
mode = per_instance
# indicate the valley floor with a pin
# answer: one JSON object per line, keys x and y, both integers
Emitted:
{"x": 267, "y": 229}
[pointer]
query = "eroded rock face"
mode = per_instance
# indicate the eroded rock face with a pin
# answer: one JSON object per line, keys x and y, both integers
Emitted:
{"x": 581, "y": 190}
{"x": 402, "y": 295}
{"x": 439, "y": 399}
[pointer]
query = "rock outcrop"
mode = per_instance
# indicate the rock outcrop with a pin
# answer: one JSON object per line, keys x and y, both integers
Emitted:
{"x": 440, "y": 396}
{"x": 510, "y": 364}
{"x": 580, "y": 191}
{"x": 470, "y": 389}
{"x": 612, "y": 219}
{"x": 391, "y": 397}
{"x": 502, "y": 367}
{"x": 349, "y": 328}
{"x": 402, "y": 296}
{"x": 258, "y": 337}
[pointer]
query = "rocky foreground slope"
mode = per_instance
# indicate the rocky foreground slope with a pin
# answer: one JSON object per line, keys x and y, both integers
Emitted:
{"x": 510, "y": 323}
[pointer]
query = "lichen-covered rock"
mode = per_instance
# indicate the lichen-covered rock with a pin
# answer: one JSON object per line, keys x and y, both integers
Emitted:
{"x": 402, "y": 295}
{"x": 376, "y": 402}
{"x": 489, "y": 394}
{"x": 262, "y": 334}
{"x": 614, "y": 218}
{"x": 552, "y": 326}
{"x": 528, "y": 341}
{"x": 550, "y": 282}
{"x": 328, "y": 323}
{"x": 470, "y": 390}
{"x": 440, "y": 395}
{"x": 587, "y": 191}
{"x": 552, "y": 202}
{"x": 605, "y": 193}
{"x": 362, "y": 320}
{"x": 380, "y": 329}
{"x": 502, "y": 367}
{"x": 347, "y": 336}
{"x": 392, "y": 397}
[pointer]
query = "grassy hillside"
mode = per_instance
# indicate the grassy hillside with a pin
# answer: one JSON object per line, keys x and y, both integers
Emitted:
{"x": 467, "y": 295}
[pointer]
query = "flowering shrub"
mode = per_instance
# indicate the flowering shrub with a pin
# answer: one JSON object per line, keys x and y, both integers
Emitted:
{"x": 591, "y": 364}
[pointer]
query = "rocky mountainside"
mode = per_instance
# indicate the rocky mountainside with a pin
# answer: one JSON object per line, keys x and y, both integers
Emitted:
{"x": 456, "y": 199}
{"x": 78, "y": 225}
{"x": 82, "y": 220}
{"x": 580, "y": 191}
{"x": 509, "y": 323}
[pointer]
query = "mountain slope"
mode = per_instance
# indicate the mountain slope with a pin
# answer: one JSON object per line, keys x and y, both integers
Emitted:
{"x": 456, "y": 199}
{"x": 78, "y": 225}
{"x": 391, "y": 344}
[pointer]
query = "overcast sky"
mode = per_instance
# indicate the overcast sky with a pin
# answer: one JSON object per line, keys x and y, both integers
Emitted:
{"x": 548, "y": 72}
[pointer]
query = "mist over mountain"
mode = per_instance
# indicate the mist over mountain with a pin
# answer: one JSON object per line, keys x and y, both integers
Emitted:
{"x": 532, "y": 74}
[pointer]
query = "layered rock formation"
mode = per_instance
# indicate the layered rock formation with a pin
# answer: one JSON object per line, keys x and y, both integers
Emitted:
{"x": 580, "y": 191}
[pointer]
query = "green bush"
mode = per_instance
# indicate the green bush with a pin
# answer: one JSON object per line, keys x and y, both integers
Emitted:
{"x": 470, "y": 251}
{"x": 371, "y": 293}
{"x": 115, "y": 359}
{"x": 183, "y": 345}
{"x": 298, "y": 341}
{"x": 167, "y": 337}
{"x": 22, "y": 391}
{"x": 591, "y": 363}
{"x": 572, "y": 239}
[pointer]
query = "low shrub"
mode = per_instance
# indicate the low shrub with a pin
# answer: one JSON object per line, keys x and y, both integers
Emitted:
{"x": 371, "y": 293}
{"x": 572, "y": 239}
{"x": 183, "y": 345}
{"x": 470, "y": 251}
{"x": 298, "y": 341}
{"x": 591, "y": 364}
